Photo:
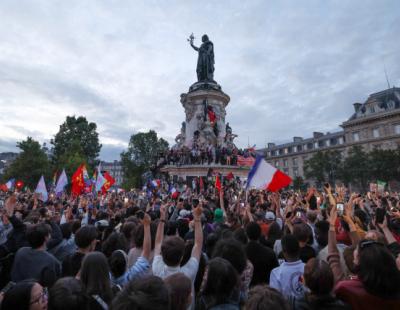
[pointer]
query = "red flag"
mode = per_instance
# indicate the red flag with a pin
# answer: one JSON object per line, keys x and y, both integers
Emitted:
{"x": 211, "y": 116}
{"x": 109, "y": 182}
{"x": 19, "y": 184}
{"x": 230, "y": 176}
{"x": 217, "y": 183}
{"x": 201, "y": 184}
{"x": 78, "y": 183}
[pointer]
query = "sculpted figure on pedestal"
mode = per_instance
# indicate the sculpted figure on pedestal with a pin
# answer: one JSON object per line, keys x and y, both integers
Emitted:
{"x": 205, "y": 61}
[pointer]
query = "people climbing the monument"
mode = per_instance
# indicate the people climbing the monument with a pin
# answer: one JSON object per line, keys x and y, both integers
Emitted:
{"x": 203, "y": 245}
{"x": 206, "y": 155}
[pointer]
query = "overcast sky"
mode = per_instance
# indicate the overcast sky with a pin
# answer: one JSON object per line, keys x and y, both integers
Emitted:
{"x": 290, "y": 67}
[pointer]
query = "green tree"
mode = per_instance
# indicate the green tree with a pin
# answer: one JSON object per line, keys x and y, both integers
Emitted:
{"x": 31, "y": 163}
{"x": 143, "y": 152}
{"x": 132, "y": 172}
{"x": 356, "y": 168}
{"x": 76, "y": 130}
{"x": 298, "y": 183}
{"x": 324, "y": 166}
{"x": 72, "y": 159}
{"x": 384, "y": 165}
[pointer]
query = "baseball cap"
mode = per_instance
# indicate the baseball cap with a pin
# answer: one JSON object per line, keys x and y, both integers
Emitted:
{"x": 269, "y": 216}
{"x": 184, "y": 213}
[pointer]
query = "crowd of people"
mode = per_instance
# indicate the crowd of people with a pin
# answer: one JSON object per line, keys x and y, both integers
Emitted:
{"x": 205, "y": 155}
{"x": 210, "y": 249}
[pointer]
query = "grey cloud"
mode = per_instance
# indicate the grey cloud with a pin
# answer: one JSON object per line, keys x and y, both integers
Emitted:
{"x": 8, "y": 145}
{"x": 111, "y": 152}
{"x": 290, "y": 67}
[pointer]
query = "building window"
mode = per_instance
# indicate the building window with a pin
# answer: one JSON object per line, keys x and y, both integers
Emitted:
{"x": 285, "y": 150}
{"x": 321, "y": 143}
{"x": 310, "y": 146}
{"x": 290, "y": 149}
{"x": 333, "y": 141}
{"x": 356, "y": 136}
{"x": 375, "y": 132}
{"x": 316, "y": 145}
{"x": 299, "y": 148}
{"x": 397, "y": 129}
{"x": 390, "y": 104}
{"x": 277, "y": 164}
{"x": 281, "y": 152}
{"x": 295, "y": 149}
{"x": 286, "y": 171}
{"x": 372, "y": 109}
{"x": 294, "y": 161}
{"x": 296, "y": 172}
{"x": 285, "y": 163}
{"x": 341, "y": 140}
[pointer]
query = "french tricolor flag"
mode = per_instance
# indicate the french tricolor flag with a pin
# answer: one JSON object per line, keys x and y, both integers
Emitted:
{"x": 156, "y": 183}
{"x": 10, "y": 184}
{"x": 264, "y": 176}
{"x": 174, "y": 192}
{"x": 7, "y": 186}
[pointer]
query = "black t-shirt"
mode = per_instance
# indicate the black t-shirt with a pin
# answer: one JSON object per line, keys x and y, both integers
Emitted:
{"x": 306, "y": 253}
{"x": 72, "y": 264}
{"x": 263, "y": 260}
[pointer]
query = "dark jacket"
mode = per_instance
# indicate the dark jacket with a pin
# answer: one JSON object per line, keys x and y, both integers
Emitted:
{"x": 16, "y": 239}
{"x": 263, "y": 260}
{"x": 35, "y": 264}
{"x": 72, "y": 264}
{"x": 326, "y": 302}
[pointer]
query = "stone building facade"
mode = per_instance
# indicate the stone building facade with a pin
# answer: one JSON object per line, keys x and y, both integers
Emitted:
{"x": 115, "y": 170}
{"x": 374, "y": 124}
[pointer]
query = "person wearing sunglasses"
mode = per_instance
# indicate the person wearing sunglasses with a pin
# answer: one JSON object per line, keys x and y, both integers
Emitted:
{"x": 25, "y": 295}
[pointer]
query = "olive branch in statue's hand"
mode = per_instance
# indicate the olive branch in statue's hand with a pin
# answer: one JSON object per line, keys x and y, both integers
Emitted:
{"x": 191, "y": 38}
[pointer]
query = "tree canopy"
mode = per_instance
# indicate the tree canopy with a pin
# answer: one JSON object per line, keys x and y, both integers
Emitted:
{"x": 142, "y": 155}
{"x": 324, "y": 166}
{"x": 78, "y": 136}
{"x": 31, "y": 163}
{"x": 358, "y": 167}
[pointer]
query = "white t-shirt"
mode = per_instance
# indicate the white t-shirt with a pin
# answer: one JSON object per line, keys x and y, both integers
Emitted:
{"x": 160, "y": 269}
{"x": 287, "y": 279}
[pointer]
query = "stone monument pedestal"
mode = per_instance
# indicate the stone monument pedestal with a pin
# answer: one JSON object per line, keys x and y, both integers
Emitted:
{"x": 204, "y": 127}
{"x": 203, "y": 100}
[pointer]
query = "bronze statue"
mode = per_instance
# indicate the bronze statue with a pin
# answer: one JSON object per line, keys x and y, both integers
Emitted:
{"x": 205, "y": 62}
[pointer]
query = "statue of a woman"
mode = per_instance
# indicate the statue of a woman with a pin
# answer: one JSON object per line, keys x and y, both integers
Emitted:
{"x": 205, "y": 62}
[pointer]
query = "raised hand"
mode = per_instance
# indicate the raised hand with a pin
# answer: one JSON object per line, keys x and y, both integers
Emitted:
{"x": 163, "y": 209}
{"x": 332, "y": 217}
{"x": 10, "y": 205}
{"x": 197, "y": 212}
{"x": 327, "y": 188}
{"x": 146, "y": 220}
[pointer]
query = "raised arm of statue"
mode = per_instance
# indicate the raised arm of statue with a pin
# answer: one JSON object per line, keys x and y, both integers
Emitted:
{"x": 194, "y": 47}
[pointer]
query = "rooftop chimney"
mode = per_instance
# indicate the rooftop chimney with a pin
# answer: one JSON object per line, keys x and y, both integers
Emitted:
{"x": 357, "y": 106}
{"x": 317, "y": 134}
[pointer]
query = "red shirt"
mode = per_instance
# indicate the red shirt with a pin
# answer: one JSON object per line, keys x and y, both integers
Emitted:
{"x": 354, "y": 293}
{"x": 264, "y": 229}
